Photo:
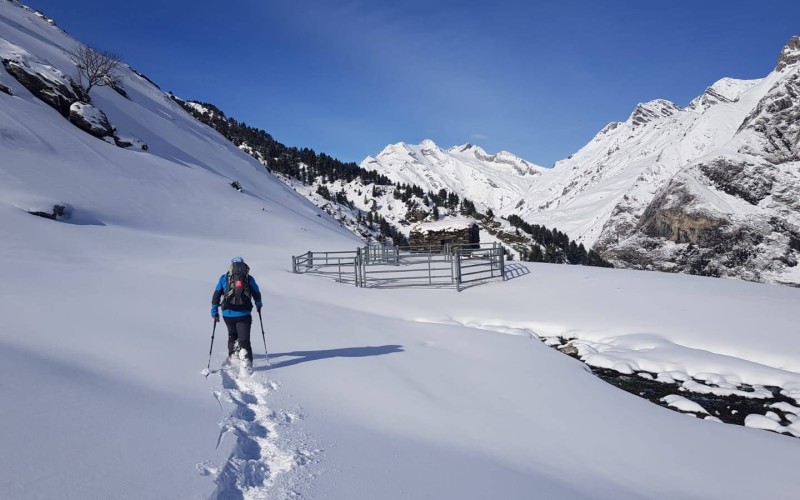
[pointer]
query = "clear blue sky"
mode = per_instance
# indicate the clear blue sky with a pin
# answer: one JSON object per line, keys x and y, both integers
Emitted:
{"x": 538, "y": 79}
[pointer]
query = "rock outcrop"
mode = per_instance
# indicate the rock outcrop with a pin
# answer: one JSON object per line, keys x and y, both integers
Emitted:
{"x": 790, "y": 54}
{"x": 653, "y": 110}
{"x": 53, "y": 92}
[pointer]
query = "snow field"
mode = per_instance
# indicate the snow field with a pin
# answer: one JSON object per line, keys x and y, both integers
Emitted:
{"x": 403, "y": 393}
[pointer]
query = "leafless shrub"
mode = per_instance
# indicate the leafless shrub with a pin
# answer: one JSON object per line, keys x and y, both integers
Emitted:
{"x": 96, "y": 68}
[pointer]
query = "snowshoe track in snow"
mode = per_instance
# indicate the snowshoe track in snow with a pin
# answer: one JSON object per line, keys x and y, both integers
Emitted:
{"x": 259, "y": 456}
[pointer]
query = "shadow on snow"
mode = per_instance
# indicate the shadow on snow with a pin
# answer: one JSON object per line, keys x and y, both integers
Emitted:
{"x": 347, "y": 352}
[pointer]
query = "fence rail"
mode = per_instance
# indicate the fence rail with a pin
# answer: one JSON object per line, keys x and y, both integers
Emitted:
{"x": 379, "y": 266}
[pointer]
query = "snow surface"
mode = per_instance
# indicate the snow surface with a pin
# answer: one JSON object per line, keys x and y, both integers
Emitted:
{"x": 683, "y": 404}
{"x": 372, "y": 393}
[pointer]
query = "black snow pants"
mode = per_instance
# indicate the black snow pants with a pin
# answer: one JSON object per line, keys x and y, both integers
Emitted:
{"x": 239, "y": 329}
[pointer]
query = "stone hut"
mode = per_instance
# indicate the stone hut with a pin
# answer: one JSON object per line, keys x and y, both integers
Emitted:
{"x": 446, "y": 232}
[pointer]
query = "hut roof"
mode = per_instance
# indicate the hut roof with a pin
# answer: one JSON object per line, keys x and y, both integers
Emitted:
{"x": 451, "y": 224}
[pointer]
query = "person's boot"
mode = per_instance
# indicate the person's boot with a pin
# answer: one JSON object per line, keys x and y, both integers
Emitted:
{"x": 247, "y": 363}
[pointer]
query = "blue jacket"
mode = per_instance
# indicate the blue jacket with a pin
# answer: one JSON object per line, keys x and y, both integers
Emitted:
{"x": 220, "y": 290}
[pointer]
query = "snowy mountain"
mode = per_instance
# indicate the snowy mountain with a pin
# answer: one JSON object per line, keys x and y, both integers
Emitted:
{"x": 729, "y": 208}
{"x": 391, "y": 394}
{"x": 702, "y": 189}
{"x": 491, "y": 181}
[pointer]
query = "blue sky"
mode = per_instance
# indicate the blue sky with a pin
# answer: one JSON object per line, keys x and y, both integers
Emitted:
{"x": 538, "y": 79}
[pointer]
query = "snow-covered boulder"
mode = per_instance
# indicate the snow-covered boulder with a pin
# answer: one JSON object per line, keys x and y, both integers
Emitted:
{"x": 133, "y": 143}
{"x": 90, "y": 119}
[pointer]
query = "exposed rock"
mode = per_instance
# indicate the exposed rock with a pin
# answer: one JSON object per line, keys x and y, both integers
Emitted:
{"x": 54, "y": 93}
{"x": 649, "y": 111}
{"x": 725, "y": 90}
{"x": 739, "y": 178}
{"x": 90, "y": 119}
{"x": 130, "y": 143}
{"x": 5, "y": 89}
{"x": 790, "y": 54}
{"x": 776, "y": 118}
{"x": 142, "y": 76}
{"x": 668, "y": 217}
{"x": 569, "y": 349}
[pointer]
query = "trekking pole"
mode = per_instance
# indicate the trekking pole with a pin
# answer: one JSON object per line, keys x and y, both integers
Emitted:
{"x": 208, "y": 368}
{"x": 264, "y": 336}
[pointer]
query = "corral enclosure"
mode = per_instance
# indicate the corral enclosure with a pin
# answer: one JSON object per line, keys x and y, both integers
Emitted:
{"x": 386, "y": 266}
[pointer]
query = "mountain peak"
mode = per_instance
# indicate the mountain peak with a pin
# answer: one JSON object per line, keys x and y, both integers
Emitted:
{"x": 724, "y": 90}
{"x": 646, "y": 112}
{"x": 790, "y": 54}
{"x": 428, "y": 144}
{"x": 468, "y": 147}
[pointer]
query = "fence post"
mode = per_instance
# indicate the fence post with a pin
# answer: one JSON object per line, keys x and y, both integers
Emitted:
{"x": 310, "y": 260}
{"x": 458, "y": 271}
{"x": 294, "y": 264}
{"x": 430, "y": 279}
{"x": 363, "y": 264}
{"x": 502, "y": 263}
{"x": 359, "y": 259}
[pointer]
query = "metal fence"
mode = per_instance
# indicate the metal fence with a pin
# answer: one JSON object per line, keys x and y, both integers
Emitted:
{"x": 380, "y": 266}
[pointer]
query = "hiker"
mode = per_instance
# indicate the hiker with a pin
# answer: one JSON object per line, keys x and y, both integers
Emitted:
{"x": 238, "y": 290}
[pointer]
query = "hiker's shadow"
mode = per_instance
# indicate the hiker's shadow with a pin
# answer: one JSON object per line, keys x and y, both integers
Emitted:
{"x": 346, "y": 352}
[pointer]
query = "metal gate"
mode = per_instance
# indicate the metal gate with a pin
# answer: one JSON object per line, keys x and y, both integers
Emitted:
{"x": 385, "y": 266}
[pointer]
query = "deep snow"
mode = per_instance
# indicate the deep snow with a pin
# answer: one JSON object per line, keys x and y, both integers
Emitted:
{"x": 371, "y": 393}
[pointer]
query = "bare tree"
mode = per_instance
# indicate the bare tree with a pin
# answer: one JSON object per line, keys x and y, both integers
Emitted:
{"x": 96, "y": 68}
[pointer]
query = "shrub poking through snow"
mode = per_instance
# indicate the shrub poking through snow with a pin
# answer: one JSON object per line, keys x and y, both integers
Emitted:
{"x": 59, "y": 211}
{"x": 235, "y": 185}
{"x": 96, "y": 68}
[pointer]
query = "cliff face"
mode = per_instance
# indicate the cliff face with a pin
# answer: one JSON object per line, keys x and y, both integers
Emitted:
{"x": 736, "y": 212}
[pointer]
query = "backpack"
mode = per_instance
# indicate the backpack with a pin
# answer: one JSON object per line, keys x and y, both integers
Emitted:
{"x": 238, "y": 295}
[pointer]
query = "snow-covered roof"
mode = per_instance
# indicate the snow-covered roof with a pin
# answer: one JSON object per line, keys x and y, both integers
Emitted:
{"x": 451, "y": 224}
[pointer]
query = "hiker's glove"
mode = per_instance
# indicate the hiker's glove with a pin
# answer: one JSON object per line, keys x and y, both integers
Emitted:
{"x": 258, "y": 308}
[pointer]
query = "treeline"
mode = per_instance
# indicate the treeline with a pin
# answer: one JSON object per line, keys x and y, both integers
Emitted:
{"x": 551, "y": 245}
{"x": 302, "y": 164}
